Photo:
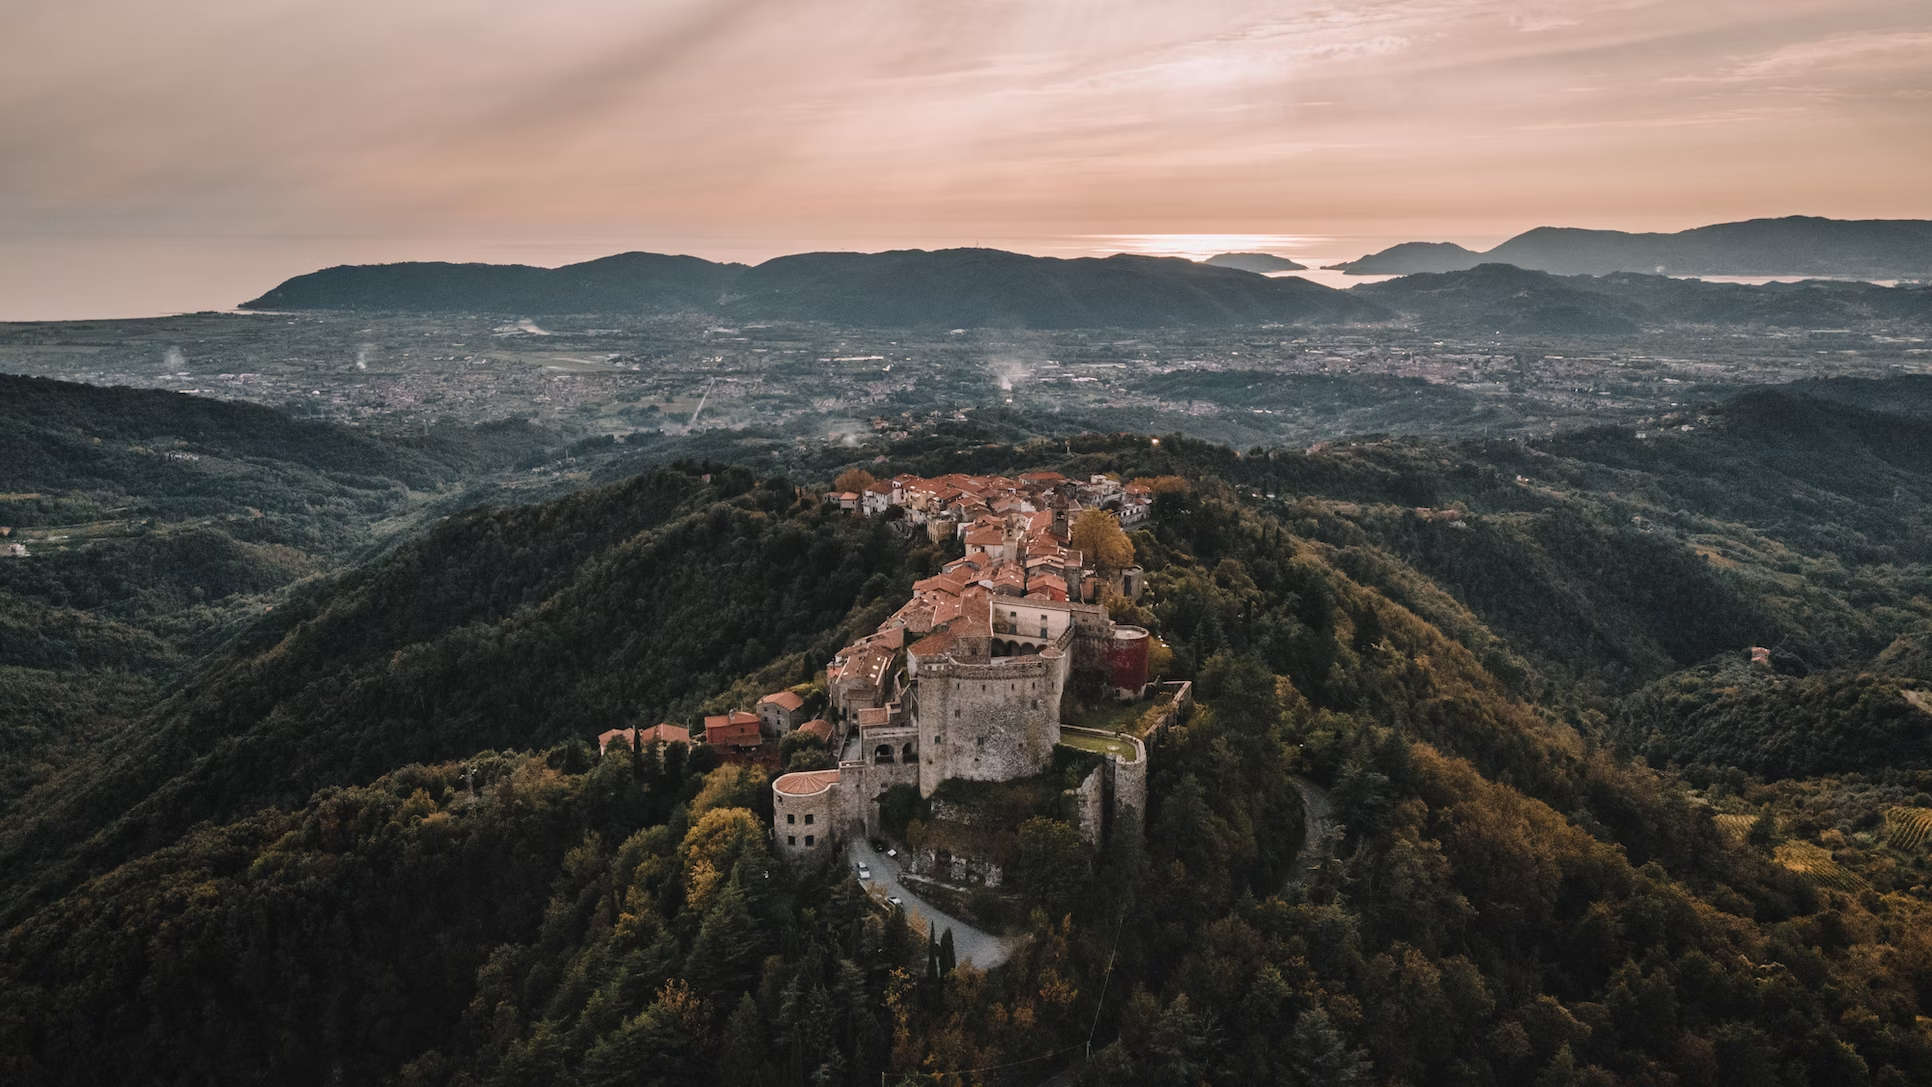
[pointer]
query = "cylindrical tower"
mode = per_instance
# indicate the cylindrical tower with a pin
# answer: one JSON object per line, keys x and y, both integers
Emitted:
{"x": 1127, "y": 661}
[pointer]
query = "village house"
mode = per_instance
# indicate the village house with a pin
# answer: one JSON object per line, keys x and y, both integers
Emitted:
{"x": 734, "y": 731}
{"x": 780, "y": 713}
{"x": 661, "y": 735}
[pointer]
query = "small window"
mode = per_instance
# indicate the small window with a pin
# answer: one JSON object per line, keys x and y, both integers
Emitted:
{"x": 808, "y": 839}
{"x": 808, "y": 819}
{"x": 790, "y": 818}
{"x": 791, "y": 839}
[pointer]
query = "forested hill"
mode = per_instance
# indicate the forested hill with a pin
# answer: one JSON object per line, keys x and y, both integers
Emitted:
{"x": 903, "y": 288}
{"x": 372, "y": 845}
{"x": 156, "y": 523}
{"x": 515, "y": 628}
{"x": 623, "y": 283}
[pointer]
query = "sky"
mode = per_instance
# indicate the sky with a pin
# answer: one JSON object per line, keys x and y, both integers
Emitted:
{"x": 156, "y": 157}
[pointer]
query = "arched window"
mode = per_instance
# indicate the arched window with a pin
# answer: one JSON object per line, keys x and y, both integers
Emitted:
{"x": 882, "y": 755}
{"x": 906, "y": 753}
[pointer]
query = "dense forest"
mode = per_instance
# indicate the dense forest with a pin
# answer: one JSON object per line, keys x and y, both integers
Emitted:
{"x": 157, "y": 524}
{"x": 1584, "y": 835}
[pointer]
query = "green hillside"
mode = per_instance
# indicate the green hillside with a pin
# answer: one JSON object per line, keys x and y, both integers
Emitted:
{"x": 370, "y": 844}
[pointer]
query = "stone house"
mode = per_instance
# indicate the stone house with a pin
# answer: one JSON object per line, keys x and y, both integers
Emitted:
{"x": 780, "y": 713}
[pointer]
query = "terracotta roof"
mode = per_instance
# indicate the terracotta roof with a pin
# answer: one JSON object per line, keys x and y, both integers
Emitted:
{"x": 952, "y": 583}
{"x": 784, "y": 700}
{"x": 932, "y": 645}
{"x": 731, "y": 734}
{"x": 874, "y": 715}
{"x": 667, "y": 733}
{"x": 806, "y": 782}
{"x": 818, "y": 727}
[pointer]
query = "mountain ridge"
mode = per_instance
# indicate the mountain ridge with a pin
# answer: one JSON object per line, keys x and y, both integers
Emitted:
{"x": 1790, "y": 245}
{"x": 907, "y": 287}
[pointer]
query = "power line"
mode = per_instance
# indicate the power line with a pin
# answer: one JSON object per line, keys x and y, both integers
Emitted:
{"x": 1105, "y": 978}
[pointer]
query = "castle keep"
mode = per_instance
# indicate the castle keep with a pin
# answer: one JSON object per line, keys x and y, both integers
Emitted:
{"x": 965, "y": 680}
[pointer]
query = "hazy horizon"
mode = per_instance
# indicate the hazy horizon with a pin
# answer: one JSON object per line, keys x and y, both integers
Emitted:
{"x": 161, "y": 158}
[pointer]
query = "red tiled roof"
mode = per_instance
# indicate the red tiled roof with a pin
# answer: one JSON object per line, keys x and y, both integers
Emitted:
{"x": 818, "y": 727}
{"x": 666, "y": 733}
{"x": 953, "y": 583}
{"x": 786, "y": 700}
{"x": 732, "y": 733}
{"x": 806, "y": 782}
{"x": 932, "y": 645}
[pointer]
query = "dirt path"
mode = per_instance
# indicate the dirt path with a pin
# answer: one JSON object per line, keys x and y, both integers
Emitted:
{"x": 1318, "y": 826}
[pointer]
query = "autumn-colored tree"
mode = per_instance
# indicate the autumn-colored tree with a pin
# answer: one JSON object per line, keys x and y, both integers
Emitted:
{"x": 854, "y": 479}
{"x": 713, "y": 845}
{"x": 1101, "y": 540}
{"x": 729, "y": 787}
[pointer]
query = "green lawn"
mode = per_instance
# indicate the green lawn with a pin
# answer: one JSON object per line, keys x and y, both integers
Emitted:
{"x": 1099, "y": 745}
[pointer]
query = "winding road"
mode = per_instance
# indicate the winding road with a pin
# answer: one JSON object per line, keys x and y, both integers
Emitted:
{"x": 972, "y": 945}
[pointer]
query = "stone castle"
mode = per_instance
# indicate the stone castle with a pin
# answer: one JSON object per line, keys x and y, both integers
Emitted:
{"x": 965, "y": 681}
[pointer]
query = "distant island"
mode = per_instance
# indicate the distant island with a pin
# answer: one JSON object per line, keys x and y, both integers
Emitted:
{"x": 1255, "y": 262}
{"x": 1796, "y": 245}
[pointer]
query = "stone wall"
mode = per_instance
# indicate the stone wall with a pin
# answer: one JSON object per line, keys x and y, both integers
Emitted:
{"x": 1128, "y": 789}
{"x": 1089, "y": 806}
{"x": 1125, "y": 793}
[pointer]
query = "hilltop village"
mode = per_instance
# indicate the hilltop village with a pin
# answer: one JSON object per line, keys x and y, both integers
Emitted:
{"x": 962, "y": 688}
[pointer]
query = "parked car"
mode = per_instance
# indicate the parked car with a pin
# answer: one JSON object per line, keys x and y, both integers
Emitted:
{"x": 879, "y": 846}
{"x": 865, "y": 871}
{"x": 895, "y": 902}
{"x": 892, "y": 853}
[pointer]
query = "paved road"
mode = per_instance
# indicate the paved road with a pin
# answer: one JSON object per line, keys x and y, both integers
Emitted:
{"x": 1318, "y": 826}
{"x": 976, "y": 946}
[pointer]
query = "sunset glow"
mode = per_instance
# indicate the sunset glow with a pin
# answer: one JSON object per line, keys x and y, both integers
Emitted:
{"x": 741, "y": 129}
